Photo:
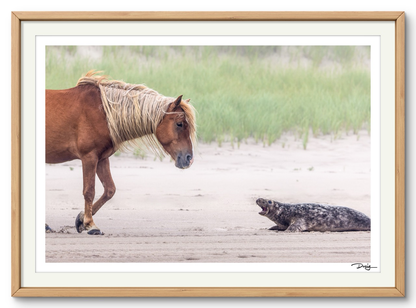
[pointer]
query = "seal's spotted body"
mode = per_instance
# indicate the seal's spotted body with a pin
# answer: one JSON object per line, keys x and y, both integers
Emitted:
{"x": 313, "y": 217}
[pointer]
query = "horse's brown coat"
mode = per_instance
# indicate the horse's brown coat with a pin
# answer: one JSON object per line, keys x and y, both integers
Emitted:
{"x": 77, "y": 128}
{"x": 76, "y": 125}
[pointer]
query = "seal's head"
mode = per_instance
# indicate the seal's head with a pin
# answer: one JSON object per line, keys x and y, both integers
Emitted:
{"x": 265, "y": 205}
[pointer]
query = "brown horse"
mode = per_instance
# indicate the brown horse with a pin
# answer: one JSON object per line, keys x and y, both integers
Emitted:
{"x": 93, "y": 120}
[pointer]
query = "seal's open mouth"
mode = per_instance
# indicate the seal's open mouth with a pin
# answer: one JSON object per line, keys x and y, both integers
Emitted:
{"x": 264, "y": 207}
{"x": 264, "y": 210}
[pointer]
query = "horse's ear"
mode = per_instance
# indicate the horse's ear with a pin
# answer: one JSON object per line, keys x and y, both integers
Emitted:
{"x": 187, "y": 100}
{"x": 175, "y": 104}
{"x": 177, "y": 101}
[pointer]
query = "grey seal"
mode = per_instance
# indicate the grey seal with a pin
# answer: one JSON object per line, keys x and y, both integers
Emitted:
{"x": 313, "y": 217}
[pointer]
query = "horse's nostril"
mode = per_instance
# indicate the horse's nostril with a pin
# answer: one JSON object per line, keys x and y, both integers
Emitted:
{"x": 188, "y": 157}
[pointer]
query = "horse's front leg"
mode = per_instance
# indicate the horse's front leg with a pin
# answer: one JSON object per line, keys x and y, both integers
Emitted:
{"x": 84, "y": 219}
{"x": 104, "y": 174}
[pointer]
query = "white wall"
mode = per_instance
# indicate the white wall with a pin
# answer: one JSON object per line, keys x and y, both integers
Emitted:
{"x": 409, "y": 6}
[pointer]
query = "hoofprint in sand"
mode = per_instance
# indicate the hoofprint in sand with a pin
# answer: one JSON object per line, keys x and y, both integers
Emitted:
{"x": 208, "y": 213}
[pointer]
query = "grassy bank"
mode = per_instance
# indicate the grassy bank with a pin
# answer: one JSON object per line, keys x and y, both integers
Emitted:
{"x": 239, "y": 92}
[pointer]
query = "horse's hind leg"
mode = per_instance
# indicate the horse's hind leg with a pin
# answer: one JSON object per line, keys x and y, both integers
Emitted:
{"x": 104, "y": 174}
{"x": 84, "y": 220}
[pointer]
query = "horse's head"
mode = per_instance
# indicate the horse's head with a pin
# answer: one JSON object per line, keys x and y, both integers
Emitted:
{"x": 174, "y": 133}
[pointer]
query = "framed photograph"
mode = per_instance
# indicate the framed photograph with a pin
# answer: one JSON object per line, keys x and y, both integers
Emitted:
{"x": 208, "y": 154}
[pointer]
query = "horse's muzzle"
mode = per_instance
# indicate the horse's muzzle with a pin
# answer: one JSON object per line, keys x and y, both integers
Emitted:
{"x": 184, "y": 161}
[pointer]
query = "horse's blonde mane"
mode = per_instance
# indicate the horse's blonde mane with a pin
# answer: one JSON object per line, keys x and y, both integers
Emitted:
{"x": 134, "y": 111}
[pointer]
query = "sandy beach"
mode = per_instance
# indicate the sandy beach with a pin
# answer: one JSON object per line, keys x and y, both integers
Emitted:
{"x": 208, "y": 212}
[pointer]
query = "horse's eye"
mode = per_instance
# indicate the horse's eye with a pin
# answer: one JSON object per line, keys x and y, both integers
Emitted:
{"x": 180, "y": 124}
{"x": 269, "y": 202}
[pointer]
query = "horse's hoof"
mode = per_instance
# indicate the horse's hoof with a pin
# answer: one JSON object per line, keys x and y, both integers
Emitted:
{"x": 79, "y": 225}
{"x": 48, "y": 229}
{"x": 95, "y": 232}
{"x": 79, "y": 222}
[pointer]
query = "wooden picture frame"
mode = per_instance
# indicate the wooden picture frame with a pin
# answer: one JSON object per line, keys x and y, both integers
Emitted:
{"x": 398, "y": 290}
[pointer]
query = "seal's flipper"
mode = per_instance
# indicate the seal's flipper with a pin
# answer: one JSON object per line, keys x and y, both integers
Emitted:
{"x": 277, "y": 228}
{"x": 298, "y": 226}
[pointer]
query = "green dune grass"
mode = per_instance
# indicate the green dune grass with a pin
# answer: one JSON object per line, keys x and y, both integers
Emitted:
{"x": 240, "y": 92}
